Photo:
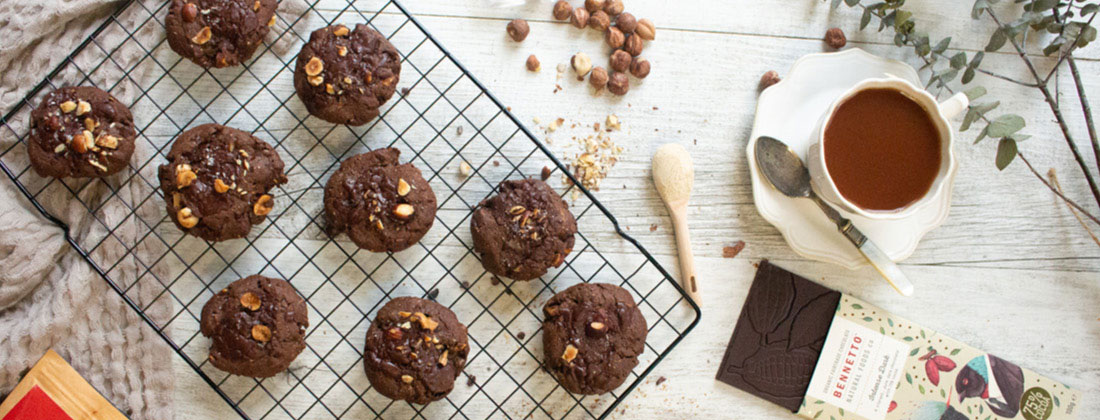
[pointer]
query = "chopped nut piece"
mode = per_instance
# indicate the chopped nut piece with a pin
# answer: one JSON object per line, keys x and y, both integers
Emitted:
{"x": 581, "y": 64}
{"x": 403, "y": 187}
{"x": 315, "y": 80}
{"x": 250, "y": 301}
{"x": 261, "y": 333}
{"x": 220, "y": 186}
{"x": 570, "y": 353}
{"x": 342, "y": 50}
{"x": 271, "y": 22}
{"x": 597, "y": 326}
{"x": 427, "y": 322}
{"x": 394, "y": 333}
{"x": 405, "y": 325}
{"x": 89, "y": 124}
{"x": 403, "y": 211}
{"x": 315, "y": 66}
{"x": 517, "y": 210}
{"x": 464, "y": 169}
{"x": 341, "y": 30}
{"x": 81, "y": 144}
{"x": 176, "y": 199}
{"x": 67, "y": 106}
{"x": 82, "y": 108}
{"x": 184, "y": 176}
{"x": 263, "y": 205}
{"x": 404, "y": 314}
{"x": 406, "y": 379}
{"x": 59, "y": 149}
{"x": 107, "y": 141}
{"x": 203, "y": 36}
{"x": 256, "y": 6}
{"x": 329, "y": 89}
{"x": 187, "y": 218}
{"x": 613, "y": 122}
{"x": 443, "y": 358}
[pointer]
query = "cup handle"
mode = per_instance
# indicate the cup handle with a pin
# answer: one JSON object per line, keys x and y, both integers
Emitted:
{"x": 955, "y": 105}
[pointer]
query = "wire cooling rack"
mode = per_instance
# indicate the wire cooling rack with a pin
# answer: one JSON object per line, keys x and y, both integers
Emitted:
{"x": 442, "y": 117}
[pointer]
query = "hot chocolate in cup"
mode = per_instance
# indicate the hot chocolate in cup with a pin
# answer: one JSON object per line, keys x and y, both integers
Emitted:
{"x": 884, "y": 149}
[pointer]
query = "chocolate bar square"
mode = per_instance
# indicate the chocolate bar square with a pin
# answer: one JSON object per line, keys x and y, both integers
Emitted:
{"x": 778, "y": 338}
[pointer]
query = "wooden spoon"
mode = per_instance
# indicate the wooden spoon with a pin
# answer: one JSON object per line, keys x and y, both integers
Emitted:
{"x": 674, "y": 175}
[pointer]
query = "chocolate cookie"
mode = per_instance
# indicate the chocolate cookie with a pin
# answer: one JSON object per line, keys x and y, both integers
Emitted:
{"x": 217, "y": 179}
{"x": 80, "y": 131}
{"x": 343, "y": 76}
{"x": 523, "y": 230}
{"x": 415, "y": 349}
{"x": 218, "y": 33}
{"x": 592, "y": 335}
{"x": 382, "y": 204}
{"x": 256, "y": 325}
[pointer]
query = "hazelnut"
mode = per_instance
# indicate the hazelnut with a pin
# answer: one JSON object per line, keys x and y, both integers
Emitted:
{"x": 615, "y": 38}
{"x": 533, "y": 63}
{"x": 203, "y": 36}
{"x": 220, "y": 186}
{"x": 614, "y": 7}
{"x": 619, "y": 83}
{"x": 594, "y": 6}
{"x": 60, "y": 148}
{"x": 768, "y": 79}
{"x": 81, "y": 144}
{"x": 107, "y": 141}
{"x": 89, "y": 124}
{"x": 518, "y": 29}
{"x": 443, "y": 358}
{"x": 620, "y": 60}
{"x": 341, "y": 30}
{"x": 596, "y": 329}
{"x": 646, "y": 30}
{"x": 256, "y": 6}
{"x": 403, "y": 211}
{"x": 314, "y": 66}
{"x": 67, "y": 106}
{"x": 464, "y": 169}
{"x": 562, "y": 10}
{"x": 570, "y": 353}
{"x": 329, "y": 89}
{"x": 403, "y": 187}
{"x": 342, "y": 51}
{"x": 634, "y": 45}
{"x": 394, "y": 333}
{"x": 579, "y": 18}
{"x": 581, "y": 64}
{"x": 271, "y": 22}
{"x": 263, "y": 205}
{"x": 613, "y": 122}
{"x": 184, "y": 176}
{"x": 599, "y": 21}
{"x": 406, "y": 379}
{"x": 189, "y": 12}
{"x": 835, "y": 38}
{"x": 426, "y": 322}
{"x": 83, "y": 107}
{"x": 250, "y": 301}
{"x": 187, "y": 218}
{"x": 315, "y": 80}
{"x": 516, "y": 210}
{"x": 598, "y": 78}
{"x": 261, "y": 333}
{"x": 639, "y": 67}
{"x": 626, "y": 23}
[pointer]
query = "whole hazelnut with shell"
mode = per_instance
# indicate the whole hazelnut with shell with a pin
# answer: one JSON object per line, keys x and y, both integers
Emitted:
{"x": 594, "y": 5}
{"x": 835, "y": 38}
{"x": 598, "y": 79}
{"x": 768, "y": 79}
{"x": 634, "y": 45}
{"x": 639, "y": 67}
{"x": 579, "y": 18}
{"x": 620, "y": 60}
{"x": 562, "y": 10}
{"x": 626, "y": 23}
{"x": 619, "y": 84}
{"x": 518, "y": 30}
{"x": 533, "y": 63}
{"x": 615, "y": 38}
{"x": 646, "y": 29}
{"x": 599, "y": 21}
{"x": 614, "y": 7}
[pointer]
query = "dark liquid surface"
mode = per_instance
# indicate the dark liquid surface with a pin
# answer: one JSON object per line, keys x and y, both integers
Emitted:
{"x": 882, "y": 149}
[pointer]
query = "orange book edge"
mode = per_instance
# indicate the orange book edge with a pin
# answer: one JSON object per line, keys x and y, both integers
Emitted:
{"x": 66, "y": 388}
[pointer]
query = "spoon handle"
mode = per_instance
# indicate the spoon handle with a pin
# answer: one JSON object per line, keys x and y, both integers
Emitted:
{"x": 878, "y": 259}
{"x": 683, "y": 245}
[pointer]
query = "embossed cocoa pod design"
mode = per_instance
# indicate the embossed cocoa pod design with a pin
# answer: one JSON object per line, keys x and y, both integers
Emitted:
{"x": 774, "y": 368}
{"x": 767, "y": 310}
{"x": 807, "y": 328}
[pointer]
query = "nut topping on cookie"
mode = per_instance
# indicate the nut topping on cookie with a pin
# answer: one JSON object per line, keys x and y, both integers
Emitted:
{"x": 186, "y": 218}
{"x": 263, "y": 205}
{"x": 570, "y": 353}
{"x": 184, "y": 176}
{"x": 83, "y": 107}
{"x": 67, "y": 106}
{"x": 443, "y": 358}
{"x": 342, "y": 50}
{"x": 341, "y": 30}
{"x": 107, "y": 141}
{"x": 190, "y": 12}
{"x": 315, "y": 80}
{"x": 403, "y": 187}
{"x": 59, "y": 149}
{"x": 256, "y": 6}
{"x": 394, "y": 333}
{"x": 403, "y": 210}
{"x": 220, "y": 186}
{"x": 314, "y": 66}
{"x": 406, "y": 379}
{"x": 261, "y": 333}
{"x": 203, "y": 36}
{"x": 426, "y": 322}
{"x": 271, "y": 22}
{"x": 81, "y": 144}
{"x": 250, "y": 301}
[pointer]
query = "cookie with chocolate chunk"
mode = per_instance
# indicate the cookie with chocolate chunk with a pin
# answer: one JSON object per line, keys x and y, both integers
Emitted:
{"x": 415, "y": 349}
{"x": 523, "y": 230}
{"x": 217, "y": 180}
{"x": 382, "y": 204}
{"x": 80, "y": 131}
{"x": 218, "y": 33}
{"x": 256, "y": 326}
{"x": 344, "y": 75}
{"x": 592, "y": 336}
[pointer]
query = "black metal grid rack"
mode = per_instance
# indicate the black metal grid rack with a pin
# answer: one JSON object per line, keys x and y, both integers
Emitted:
{"x": 442, "y": 117}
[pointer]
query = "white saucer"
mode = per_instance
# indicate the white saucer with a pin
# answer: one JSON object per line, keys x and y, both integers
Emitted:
{"x": 789, "y": 111}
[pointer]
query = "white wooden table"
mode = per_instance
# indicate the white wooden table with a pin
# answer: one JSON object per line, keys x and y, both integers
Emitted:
{"x": 1011, "y": 271}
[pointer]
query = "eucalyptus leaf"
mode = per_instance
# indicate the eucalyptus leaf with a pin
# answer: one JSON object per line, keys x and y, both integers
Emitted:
{"x": 968, "y": 75}
{"x": 1005, "y": 125}
{"x": 958, "y": 61}
{"x": 1006, "y": 153}
{"x": 975, "y": 93}
{"x": 997, "y": 40}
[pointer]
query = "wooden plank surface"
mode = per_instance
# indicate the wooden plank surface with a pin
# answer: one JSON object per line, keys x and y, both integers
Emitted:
{"x": 1011, "y": 271}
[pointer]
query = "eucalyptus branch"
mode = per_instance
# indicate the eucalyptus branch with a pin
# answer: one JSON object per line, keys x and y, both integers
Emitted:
{"x": 1007, "y": 79}
{"x": 1086, "y": 108}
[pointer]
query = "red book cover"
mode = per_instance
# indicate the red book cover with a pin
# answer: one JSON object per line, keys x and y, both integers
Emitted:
{"x": 36, "y": 405}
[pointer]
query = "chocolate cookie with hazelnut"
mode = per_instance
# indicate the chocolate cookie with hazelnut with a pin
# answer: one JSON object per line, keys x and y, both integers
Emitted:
{"x": 217, "y": 181}
{"x": 218, "y": 33}
{"x": 523, "y": 230}
{"x": 256, "y": 326}
{"x": 80, "y": 131}
{"x": 345, "y": 75}
{"x": 382, "y": 204}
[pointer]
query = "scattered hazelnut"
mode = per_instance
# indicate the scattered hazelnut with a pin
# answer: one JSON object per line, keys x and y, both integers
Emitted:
{"x": 562, "y": 10}
{"x": 626, "y": 23}
{"x": 314, "y": 66}
{"x": 594, "y": 6}
{"x": 614, "y": 7}
{"x": 646, "y": 30}
{"x": 329, "y": 89}
{"x": 67, "y": 106}
{"x": 403, "y": 187}
{"x": 187, "y": 218}
{"x": 464, "y": 169}
{"x": 189, "y": 12}
{"x": 620, "y": 60}
{"x": 263, "y": 205}
{"x": 261, "y": 333}
{"x": 533, "y": 63}
{"x": 403, "y": 211}
{"x": 250, "y": 301}
{"x": 518, "y": 29}
{"x": 184, "y": 176}
{"x": 89, "y": 124}
{"x": 768, "y": 79}
{"x": 619, "y": 83}
{"x": 107, "y": 141}
{"x": 83, "y": 107}
{"x": 598, "y": 78}
{"x": 546, "y": 171}
{"x": 341, "y": 31}
{"x": 615, "y": 38}
{"x": 406, "y": 379}
{"x": 599, "y": 21}
{"x": 203, "y": 36}
{"x": 835, "y": 38}
{"x": 579, "y": 18}
{"x": 581, "y": 64}
{"x": 634, "y": 45}
{"x": 639, "y": 67}
{"x": 613, "y": 122}
{"x": 570, "y": 353}
{"x": 220, "y": 186}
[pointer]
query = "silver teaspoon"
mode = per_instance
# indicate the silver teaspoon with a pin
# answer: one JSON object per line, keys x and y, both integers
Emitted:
{"x": 785, "y": 171}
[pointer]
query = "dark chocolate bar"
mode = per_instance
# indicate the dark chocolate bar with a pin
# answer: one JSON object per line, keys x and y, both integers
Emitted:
{"x": 778, "y": 338}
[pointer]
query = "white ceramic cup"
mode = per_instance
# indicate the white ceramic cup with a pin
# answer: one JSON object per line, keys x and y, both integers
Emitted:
{"x": 939, "y": 113}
